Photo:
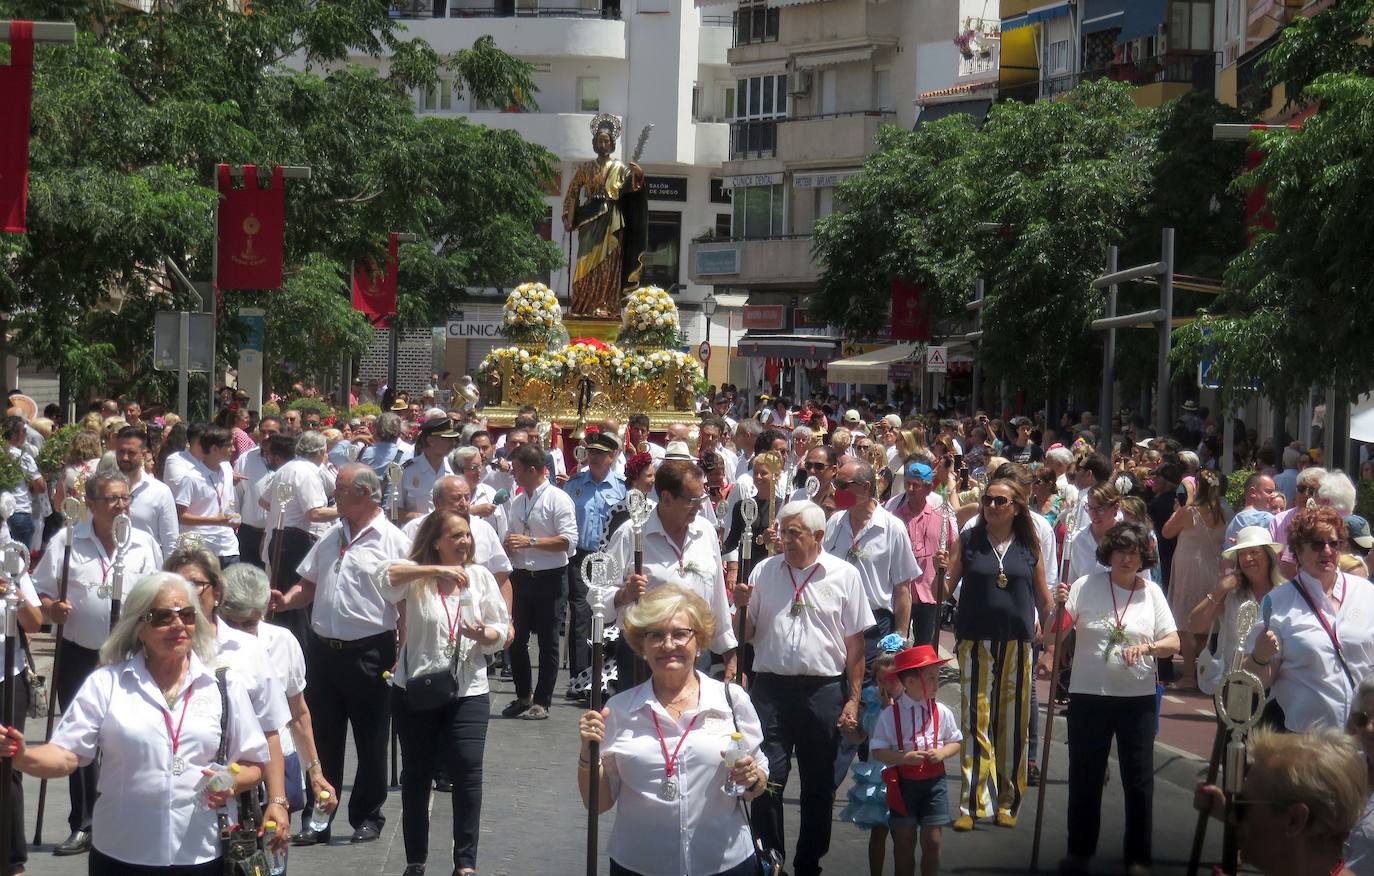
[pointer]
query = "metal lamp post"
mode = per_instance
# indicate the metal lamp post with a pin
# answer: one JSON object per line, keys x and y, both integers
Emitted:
{"x": 708, "y": 307}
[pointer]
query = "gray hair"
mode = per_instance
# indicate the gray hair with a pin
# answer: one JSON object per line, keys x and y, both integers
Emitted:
{"x": 387, "y": 427}
{"x": 812, "y": 517}
{"x": 100, "y": 479}
{"x": 246, "y": 592}
{"x": 750, "y": 427}
{"x": 460, "y": 458}
{"x": 439, "y": 483}
{"x": 864, "y": 474}
{"x": 1060, "y": 455}
{"x": 365, "y": 481}
{"x": 1292, "y": 457}
{"x": 310, "y": 444}
{"x": 124, "y": 642}
{"x": 1311, "y": 477}
{"x": 1338, "y": 491}
{"x": 804, "y": 435}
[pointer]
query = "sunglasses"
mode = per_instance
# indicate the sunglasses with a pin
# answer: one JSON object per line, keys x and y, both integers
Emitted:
{"x": 817, "y": 466}
{"x": 844, "y": 485}
{"x": 1242, "y": 803}
{"x": 695, "y": 501}
{"x": 1319, "y": 545}
{"x": 163, "y": 617}
{"x": 996, "y": 501}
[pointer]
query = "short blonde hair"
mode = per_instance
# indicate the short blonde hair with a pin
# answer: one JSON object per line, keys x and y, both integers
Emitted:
{"x": 663, "y": 603}
{"x": 1322, "y": 770}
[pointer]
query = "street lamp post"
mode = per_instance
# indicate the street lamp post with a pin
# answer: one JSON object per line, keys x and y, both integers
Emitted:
{"x": 708, "y": 307}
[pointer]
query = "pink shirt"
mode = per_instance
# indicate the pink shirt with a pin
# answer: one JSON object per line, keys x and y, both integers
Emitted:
{"x": 924, "y": 531}
{"x": 1278, "y": 531}
{"x": 243, "y": 442}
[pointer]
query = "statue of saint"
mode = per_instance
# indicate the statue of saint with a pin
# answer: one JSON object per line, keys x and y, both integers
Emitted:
{"x": 607, "y": 204}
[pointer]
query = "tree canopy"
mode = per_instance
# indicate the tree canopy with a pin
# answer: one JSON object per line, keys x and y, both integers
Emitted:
{"x": 129, "y": 123}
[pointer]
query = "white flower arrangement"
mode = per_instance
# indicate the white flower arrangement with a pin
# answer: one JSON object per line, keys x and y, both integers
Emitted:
{"x": 650, "y": 318}
{"x": 531, "y": 313}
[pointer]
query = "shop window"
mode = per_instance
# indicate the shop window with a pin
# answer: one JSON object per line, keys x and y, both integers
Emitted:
{"x": 662, "y": 260}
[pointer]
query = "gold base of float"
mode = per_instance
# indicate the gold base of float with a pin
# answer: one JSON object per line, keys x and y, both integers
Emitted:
{"x": 601, "y": 328}
{"x": 502, "y": 417}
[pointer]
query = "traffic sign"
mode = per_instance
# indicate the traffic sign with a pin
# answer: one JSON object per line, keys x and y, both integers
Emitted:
{"x": 937, "y": 359}
{"x": 704, "y": 351}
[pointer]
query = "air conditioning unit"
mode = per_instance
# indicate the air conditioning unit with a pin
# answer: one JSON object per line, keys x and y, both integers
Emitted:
{"x": 799, "y": 82}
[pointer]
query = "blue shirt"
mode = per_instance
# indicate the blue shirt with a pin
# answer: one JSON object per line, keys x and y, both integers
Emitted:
{"x": 593, "y": 501}
{"x": 1246, "y": 517}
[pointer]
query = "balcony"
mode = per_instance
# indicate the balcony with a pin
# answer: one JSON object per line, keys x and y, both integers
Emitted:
{"x": 770, "y": 261}
{"x": 824, "y": 138}
{"x": 1157, "y": 79}
{"x": 576, "y": 31}
{"x": 755, "y": 139}
{"x": 711, "y": 142}
{"x": 460, "y": 9}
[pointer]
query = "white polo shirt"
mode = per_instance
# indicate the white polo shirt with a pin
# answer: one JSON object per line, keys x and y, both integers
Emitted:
{"x": 23, "y": 496}
{"x": 89, "y": 624}
{"x": 1308, "y": 680}
{"x": 254, "y": 469}
{"x": 144, "y": 815}
{"x": 347, "y": 569}
{"x": 834, "y": 607}
{"x": 307, "y": 494}
{"x": 206, "y": 493}
{"x": 417, "y": 483}
{"x": 880, "y": 551}
{"x": 487, "y": 551}
{"x": 245, "y": 655}
{"x": 545, "y": 513}
{"x": 153, "y": 510}
{"x": 697, "y": 567}
{"x": 177, "y": 466}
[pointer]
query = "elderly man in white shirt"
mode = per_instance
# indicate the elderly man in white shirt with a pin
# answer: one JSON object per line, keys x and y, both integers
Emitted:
{"x": 152, "y": 508}
{"x": 85, "y": 613}
{"x": 205, "y": 496}
{"x": 808, "y": 615}
{"x": 467, "y": 463}
{"x": 352, "y": 642}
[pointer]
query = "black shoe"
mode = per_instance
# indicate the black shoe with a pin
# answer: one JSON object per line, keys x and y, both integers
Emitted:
{"x": 414, "y": 870}
{"x": 572, "y": 695}
{"x": 1033, "y": 775}
{"x": 308, "y": 837}
{"x": 365, "y": 834}
{"x": 443, "y": 785}
{"x": 515, "y": 709}
{"x": 79, "y": 843}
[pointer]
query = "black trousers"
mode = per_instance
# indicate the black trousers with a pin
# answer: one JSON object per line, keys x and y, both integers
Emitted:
{"x": 579, "y": 646}
{"x": 250, "y": 545}
{"x": 295, "y": 544}
{"x": 77, "y": 664}
{"x": 344, "y": 688}
{"x": 925, "y": 622}
{"x": 19, "y": 845}
{"x": 882, "y": 626}
{"x": 535, "y": 597}
{"x": 454, "y": 737}
{"x": 1093, "y": 722}
{"x": 101, "y": 864}
{"x": 798, "y": 714}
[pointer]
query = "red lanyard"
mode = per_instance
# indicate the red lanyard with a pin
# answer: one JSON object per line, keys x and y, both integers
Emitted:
{"x": 932, "y": 721}
{"x": 344, "y": 548}
{"x": 670, "y": 762}
{"x": 798, "y": 591}
{"x": 681, "y": 555}
{"x": 1121, "y": 616}
{"x": 1321, "y": 615}
{"x": 167, "y": 716}
{"x": 453, "y": 619}
{"x": 100, "y": 558}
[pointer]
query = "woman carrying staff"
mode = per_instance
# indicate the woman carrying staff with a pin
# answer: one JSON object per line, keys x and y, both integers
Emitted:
{"x": 998, "y": 562}
{"x": 661, "y": 747}
{"x": 152, "y": 712}
{"x": 1122, "y": 626}
{"x": 455, "y": 616}
{"x": 1256, "y": 556}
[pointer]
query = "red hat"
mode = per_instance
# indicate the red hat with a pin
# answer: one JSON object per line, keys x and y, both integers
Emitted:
{"x": 918, "y": 657}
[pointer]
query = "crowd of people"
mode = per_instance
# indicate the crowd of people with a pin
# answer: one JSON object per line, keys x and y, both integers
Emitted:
{"x": 783, "y": 580}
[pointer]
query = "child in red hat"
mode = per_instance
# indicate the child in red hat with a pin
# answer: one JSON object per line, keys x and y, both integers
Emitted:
{"x": 916, "y": 736}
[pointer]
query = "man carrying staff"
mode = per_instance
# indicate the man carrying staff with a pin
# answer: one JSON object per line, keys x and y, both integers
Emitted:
{"x": 595, "y": 492}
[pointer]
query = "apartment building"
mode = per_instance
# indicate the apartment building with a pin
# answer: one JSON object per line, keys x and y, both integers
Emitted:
{"x": 813, "y": 81}
{"x": 1246, "y": 29}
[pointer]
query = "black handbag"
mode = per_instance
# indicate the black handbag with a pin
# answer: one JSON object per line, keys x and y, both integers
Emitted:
{"x": 433, "y": 690}
{"x": 767, "y": 862}
{"x": 240, "y": 846}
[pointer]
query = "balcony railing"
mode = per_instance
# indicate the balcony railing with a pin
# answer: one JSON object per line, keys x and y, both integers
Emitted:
{"x": 1194, "y": 68}
{"x": 441, "y": 9}
{"x": 717, "y": 21}
{"x": 843, "y": 115}
{"x": 754, "y": 139}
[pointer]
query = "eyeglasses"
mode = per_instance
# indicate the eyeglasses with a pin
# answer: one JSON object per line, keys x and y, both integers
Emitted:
{"x": 996, "y": 501}
{"x": 198, "y": 583}
{"x": 1319, "y": 545}
{"x": 163, "y": 617}
{"x": 113, "y": 500}
{"x": 671, "y": 638}
{"x": 1243, "y": 802}
{"x": 1098, "y": 509}
{"x": 817, "y": 466}
{"x": 1304, "y": 489}
{"x": 695, "y": 501}
{"x": 844, "y": 485}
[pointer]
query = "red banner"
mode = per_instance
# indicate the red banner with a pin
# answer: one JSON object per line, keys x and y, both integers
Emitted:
{"x": 910, "y": 322}
{"x": 16, "y": 91}
{"x": 374, "y": 290}
{"x": 252, "y": 221}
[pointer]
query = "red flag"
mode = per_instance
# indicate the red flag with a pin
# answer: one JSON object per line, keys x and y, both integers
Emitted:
{"x": 910, "y": 322}
{"x": 16, "y": 91}
{"x": 251, "y": 224}
{"x": 374, "y": 291}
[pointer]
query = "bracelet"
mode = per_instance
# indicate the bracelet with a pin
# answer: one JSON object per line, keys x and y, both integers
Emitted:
{"x": 314, "y": 763}
{"x": 1259, "y": 662}
{"x": 279, "y": 801}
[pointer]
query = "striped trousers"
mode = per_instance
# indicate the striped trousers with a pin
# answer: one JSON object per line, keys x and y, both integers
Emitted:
{"x": 994, "y": 688}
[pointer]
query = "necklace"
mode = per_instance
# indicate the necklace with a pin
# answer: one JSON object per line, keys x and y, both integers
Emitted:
{"x": 1116, "y": 637}
{"x": 686, "y": 695}
{"x": 1000, "y": 551}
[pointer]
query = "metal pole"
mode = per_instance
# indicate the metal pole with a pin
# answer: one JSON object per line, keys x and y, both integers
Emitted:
{"x": 1109, "y": 353}
{"x": 979, "y": 289}
{"x": 183, "y": 364}
{"x": 392, "y": 351}
{"x": 1166, "y": 327}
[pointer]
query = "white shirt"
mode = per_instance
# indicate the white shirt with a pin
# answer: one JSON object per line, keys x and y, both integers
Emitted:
{"x": 881, "y": 552}
{"x": 153, "y": 510}
{"x": 206, "y": 493}
{"x": 23, "y": 496}
{"x": 245, "y": 655}
{"x": 29, "y": 596}
{"x": 286, "y": 661}
{"x": 1083, "y": 553}
{"x": 177, "y": 466}
{"x": 486, "y": 493}
{"x": 834, "y": 607}
{"x": 89, "y": 624}
{"x": 1098, "y": 667}
{"x": 254, "y": 469}
{"x": 143, "y": 814}
{"x": 698, "y": 568}
{"x": 417, "y": 483}
{"x": 307, "y": 494}
{"x": 656, "y": 453}
{"x": 545, "y": 513}
{"x": 487, "y": 550}
{"x": 703, "y": 831}
{"x": 428, "y": 616}
{"x": 1308, "y": 680}
{"x": 919, "y": 727}
{"x": 346, "y": 567}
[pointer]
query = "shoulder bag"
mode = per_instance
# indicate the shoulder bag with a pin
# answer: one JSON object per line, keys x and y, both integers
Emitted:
{"x": 240, "y": 846}
{"x": 767, "y": 862}
{"x": 432, "y": 690}
{"x": 1330, "y": 633}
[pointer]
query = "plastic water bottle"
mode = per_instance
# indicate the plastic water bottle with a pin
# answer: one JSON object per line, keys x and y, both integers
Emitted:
{"x": 319, "y": 818}
{"x": 733, "y": 752}
{"x": 276, "y": 859}
{"x": 223, "y": 778}
{"x": 467, "y": 603}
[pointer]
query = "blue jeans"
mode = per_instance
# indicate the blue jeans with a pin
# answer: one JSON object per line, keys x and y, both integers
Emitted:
{"x": 21, "y": 527}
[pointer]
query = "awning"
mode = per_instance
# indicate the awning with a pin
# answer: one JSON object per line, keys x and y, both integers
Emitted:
{"x": 766, "y": 346}
{"x": 870, "y": 367}
{"x": 1100, "y": 15}
{"x": 978, "y": 109}
{"x": 758, "y": 68}
{"x": 774, "y": 4}
{"x": 1036, "y": 15}
{"x": 1143, "y": 18}
{"x": 830, "y": 59}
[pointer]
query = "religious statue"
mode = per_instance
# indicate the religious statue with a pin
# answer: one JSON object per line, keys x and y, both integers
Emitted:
{"x": 611, "y": 221}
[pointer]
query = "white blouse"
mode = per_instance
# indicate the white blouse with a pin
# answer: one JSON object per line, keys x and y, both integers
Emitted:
{"x": 144, "y": 814}
{"x": 428, "y": 618}
{"x": 703, "y": 830}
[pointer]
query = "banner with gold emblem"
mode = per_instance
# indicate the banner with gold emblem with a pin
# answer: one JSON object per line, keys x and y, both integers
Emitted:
{"x": 252, "y": 221}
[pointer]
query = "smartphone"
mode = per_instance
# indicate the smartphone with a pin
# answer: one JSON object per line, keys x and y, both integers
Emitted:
{"x": 963, "y": 475}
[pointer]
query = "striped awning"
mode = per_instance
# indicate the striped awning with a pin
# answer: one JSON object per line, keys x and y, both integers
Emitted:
{"x": 830, "y": 59}
{"x": 1036, "y": 15}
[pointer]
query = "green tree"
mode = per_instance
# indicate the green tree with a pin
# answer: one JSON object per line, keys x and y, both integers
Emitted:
{"x": 129, "y": 123}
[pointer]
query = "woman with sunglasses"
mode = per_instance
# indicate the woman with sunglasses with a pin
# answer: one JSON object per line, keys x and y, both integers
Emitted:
{"x": 152, "y": 713}
{"x": 1003, "y": 576}
{"x": 1315, "y": 643}
{"x": 1309, "y": 482}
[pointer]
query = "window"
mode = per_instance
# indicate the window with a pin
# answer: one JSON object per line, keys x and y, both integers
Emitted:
{"x": 589, "y": 94}
{"x": 755, "y": 24}
{"x": 761, "y": 100}
{"x": 722, "y": 225}
{"x": 828, "y": 92}
{"x": 439, "y": 98}
{"x": 882, "y": 89}
{"x": 696, "y": 103}
{"x": 728, "y": 101}
{"x": 662, "y": 258}
{"x": 758, "y": 211}
{"x": 1190, "y": 25}
{"x": 1059, "y": 56}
